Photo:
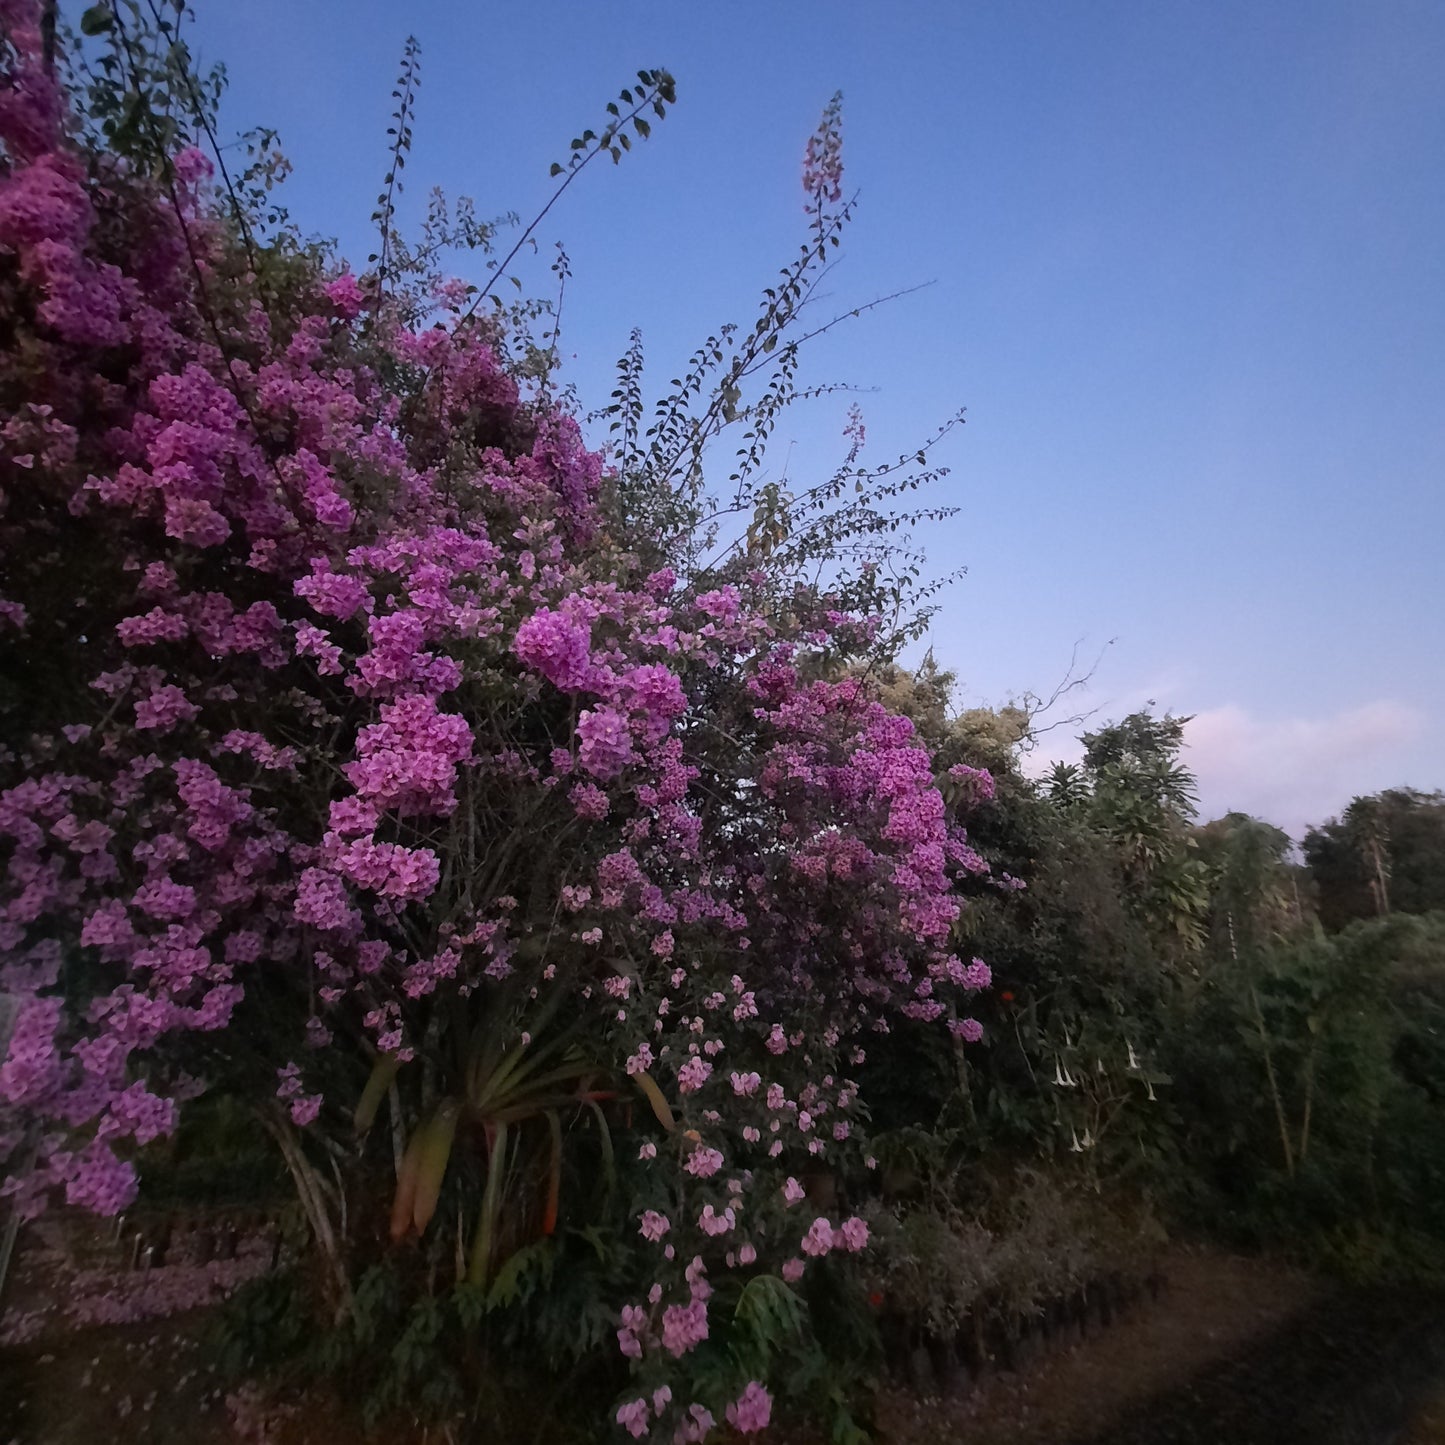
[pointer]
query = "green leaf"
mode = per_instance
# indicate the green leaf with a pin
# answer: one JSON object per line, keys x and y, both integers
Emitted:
{"x": 507, "y": 1287}
{"x": 554, "y": 1173}
{"x": 604, "y": 1134}
{"x": 660, "y": 1106}
{"x": 483, "y": 1242}
{"x": 382, "y": 1073}
{"x": 470, "y": 1303}
{"x": 403, "y": 1204}
{"x": 98, "y": 20}
{"x": 435, "y": 1152}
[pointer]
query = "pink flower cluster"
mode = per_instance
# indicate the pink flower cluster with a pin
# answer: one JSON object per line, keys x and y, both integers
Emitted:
{"x": 823, "y": 158}
{"x": 752, "y": 1410}
{"x": 850, "y": 1236}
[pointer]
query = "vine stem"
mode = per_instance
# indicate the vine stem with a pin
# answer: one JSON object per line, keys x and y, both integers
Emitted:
{"x": 573, "y": 172}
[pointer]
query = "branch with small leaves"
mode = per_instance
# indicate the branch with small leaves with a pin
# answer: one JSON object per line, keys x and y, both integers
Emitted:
{"x": 655, "y": 91}
{"x": 384, "y": 215}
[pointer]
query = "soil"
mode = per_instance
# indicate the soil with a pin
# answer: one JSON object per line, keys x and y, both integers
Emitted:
{"x": 1233, "y": 1350}
{"x": 126, "y": 1384}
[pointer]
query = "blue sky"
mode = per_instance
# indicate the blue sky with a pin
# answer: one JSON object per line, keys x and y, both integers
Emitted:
{"x": 1188, "y": 279}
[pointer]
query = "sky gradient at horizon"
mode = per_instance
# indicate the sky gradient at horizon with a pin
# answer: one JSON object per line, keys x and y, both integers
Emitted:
{"x": 1187, "y": 277}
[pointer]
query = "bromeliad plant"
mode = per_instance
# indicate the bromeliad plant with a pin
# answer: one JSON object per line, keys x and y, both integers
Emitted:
{"x": 505, "y": 1086}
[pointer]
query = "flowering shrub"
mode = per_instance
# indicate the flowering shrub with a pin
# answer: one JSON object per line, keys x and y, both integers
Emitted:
{"x": 358, "y": 731}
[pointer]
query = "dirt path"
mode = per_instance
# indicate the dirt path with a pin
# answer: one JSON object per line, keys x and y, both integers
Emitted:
{"x": 1235, "y": 1351}
{"x": 1350, "y": 1370}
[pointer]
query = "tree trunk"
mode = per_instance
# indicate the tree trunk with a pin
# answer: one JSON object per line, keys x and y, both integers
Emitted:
{"x": 1304, "y": 1132}
{"x": 1268, "y": 1058}
{"x": 1382, "y": 891}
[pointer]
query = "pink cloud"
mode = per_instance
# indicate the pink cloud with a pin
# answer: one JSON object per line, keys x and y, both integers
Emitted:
{"x": 1296, "y": 771}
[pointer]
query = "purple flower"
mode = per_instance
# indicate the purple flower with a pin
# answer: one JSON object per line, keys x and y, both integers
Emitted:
{"x": 693, "y": 1074}
{"x": 305, "y": 1109}
{"x": 163, "y": 709}
{"x": 654, "y": 1225}
{"x": 321, "y": 900}
{"x": 634, "y": 1418}
{"x": 819, "y": 1238}
{"x": 558, "y": 646}
{"x": 703, "y": 1162}
{"x": 977, "y": 975}
{"x": 604, "y": 744}
{"x": 752, "y": 1410}
{"x": 684, "y": 1327}
{"x": 345, "y": 295}
{"x": 713, "y": 1223}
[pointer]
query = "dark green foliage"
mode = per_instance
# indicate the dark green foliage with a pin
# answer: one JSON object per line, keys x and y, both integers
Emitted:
{"x": 218, "y": 1158}
{"x": 1311, "y": 1077}
{"x": 536, "y": 1344}
{"x": 1385, "y": 854}
{"x": 1164, "y": 996}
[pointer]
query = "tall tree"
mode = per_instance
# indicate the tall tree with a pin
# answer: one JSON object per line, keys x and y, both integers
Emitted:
{"x": 1132, "y": 788}
{"x": 1385, "y": 853}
